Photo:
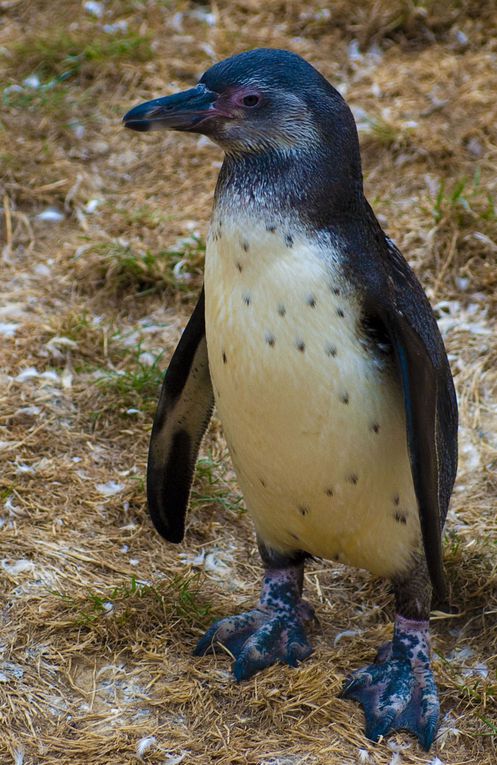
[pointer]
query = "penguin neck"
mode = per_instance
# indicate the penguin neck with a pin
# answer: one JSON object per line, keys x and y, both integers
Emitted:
{"x": 308, "y": 184}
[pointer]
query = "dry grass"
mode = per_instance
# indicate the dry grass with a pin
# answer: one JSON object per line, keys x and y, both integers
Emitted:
{"x": 100, "y": 616}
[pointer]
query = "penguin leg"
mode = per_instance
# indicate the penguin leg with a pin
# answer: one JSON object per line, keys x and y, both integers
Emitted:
{"x": 398, "y": 691}
{"x": 274, "y": 630}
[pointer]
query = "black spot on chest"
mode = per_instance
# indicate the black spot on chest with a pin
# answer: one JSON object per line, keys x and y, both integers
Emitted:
{"x": 331, "y": 350}
{"x": 270, "y": 339}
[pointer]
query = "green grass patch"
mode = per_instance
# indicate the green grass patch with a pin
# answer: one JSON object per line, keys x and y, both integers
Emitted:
{"x": 56, "y": 58}
{"x": 91, "y": 343}
{"x": 137, "y": 384}
{"x": 492, "y": 726}
{"x": 77, "y": 326}
{"x": 59, "y": 55}
{"x": 389, "y": 134}
{"x": 478, "y": 691}
{"x": 6, "y": 492}
{"x": 60, "y": 105}
{"x": 463, "y": 201}
{"x": 144, "y": 215}
{"x": 47, "y": 99}
{"x": 177, "y": 597}
{"x": 116, "y": 268}
{"x": 210, "y": 486}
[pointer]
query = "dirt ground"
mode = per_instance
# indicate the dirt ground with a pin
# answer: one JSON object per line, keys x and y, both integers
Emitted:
{"x": 103, "y": 241}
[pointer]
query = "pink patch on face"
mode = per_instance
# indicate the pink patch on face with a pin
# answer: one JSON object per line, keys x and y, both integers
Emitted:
{"x": 246, "y": 97}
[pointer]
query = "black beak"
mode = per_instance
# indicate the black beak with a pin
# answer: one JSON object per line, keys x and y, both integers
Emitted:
{"x": 181, "y": 111}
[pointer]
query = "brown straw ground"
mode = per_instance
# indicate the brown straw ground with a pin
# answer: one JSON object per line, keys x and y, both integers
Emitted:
{"x": 103, "y": 243}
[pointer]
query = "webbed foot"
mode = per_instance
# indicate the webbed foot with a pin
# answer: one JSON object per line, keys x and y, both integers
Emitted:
{"x": 398, "y": 692}
{"x": 274, "y": 631}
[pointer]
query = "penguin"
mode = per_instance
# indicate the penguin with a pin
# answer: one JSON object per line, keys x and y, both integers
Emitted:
{"x": 318, "y": 346}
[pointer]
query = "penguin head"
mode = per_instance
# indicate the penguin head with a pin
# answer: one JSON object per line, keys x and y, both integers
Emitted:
{"x": 261, "y": 100}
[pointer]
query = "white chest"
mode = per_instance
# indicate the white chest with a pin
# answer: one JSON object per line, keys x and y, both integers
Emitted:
{"x": 314, "y": 425}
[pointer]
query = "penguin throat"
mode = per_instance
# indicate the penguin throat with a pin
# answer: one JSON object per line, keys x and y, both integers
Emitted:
{"x": 308, "y": 184}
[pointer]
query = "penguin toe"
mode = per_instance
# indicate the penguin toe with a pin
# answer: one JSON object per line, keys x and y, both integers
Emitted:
{"x": 298, "y": 646}
{"x": 231, "y": 632}
{"x": 396, "y": 695}
{"x": 257, "y": 639}
{"x": 279, "y": 639}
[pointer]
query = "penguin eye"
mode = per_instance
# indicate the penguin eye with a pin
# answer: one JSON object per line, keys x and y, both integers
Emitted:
{"x": 251, "y": 100}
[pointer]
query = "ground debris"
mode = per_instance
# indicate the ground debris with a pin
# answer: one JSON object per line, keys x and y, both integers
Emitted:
{"x": 102, "y": 256}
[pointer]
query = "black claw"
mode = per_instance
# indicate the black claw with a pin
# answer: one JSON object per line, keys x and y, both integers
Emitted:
{"x": 205, "y": 644}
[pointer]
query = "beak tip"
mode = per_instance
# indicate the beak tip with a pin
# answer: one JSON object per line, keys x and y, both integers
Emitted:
{"x": 179, "y": 111}
{"x": 141, "y": 126}
{"x": 136, "y": 118}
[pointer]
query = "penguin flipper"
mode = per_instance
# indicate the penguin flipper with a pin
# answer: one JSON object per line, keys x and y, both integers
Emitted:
{"x": 183, "y": 413}
{"x": 429, "y": 400}
{"x": 420, "y": 391}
